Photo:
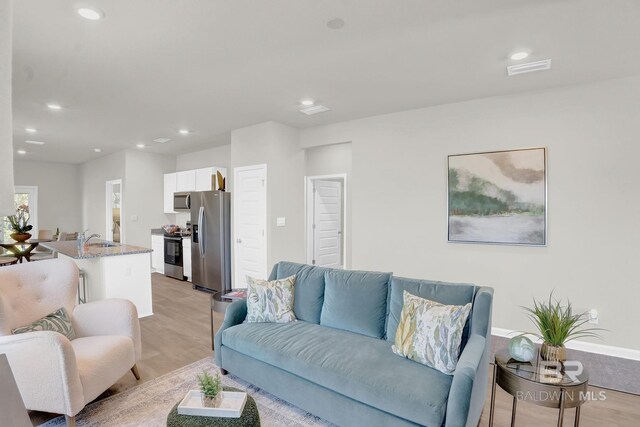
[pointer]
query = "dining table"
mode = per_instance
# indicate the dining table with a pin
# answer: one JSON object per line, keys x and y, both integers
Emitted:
{"x": 22, "y": 250}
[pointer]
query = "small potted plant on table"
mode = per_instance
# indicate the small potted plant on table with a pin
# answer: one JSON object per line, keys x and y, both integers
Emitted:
{"x": 557, "y": 325}
{"x": 20, "y": 224}
{"x": 210, "y": 390}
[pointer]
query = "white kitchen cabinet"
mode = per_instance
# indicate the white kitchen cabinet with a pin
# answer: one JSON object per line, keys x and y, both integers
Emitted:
{"x": 170, "y": 183}
{"x": 157, "y": 256}
{"x": 186, "y": 181}
{"x": 186, "y": 257}
{"x": 203, "y": 179}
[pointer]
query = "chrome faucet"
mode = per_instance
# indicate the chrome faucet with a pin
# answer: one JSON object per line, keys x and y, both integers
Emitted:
{"x": 91, "y": 237}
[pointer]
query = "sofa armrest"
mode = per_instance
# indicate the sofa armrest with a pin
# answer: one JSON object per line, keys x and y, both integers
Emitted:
{"x": 481, "y": 314}
{"x": 108, "y": 317}
{"x": 234, "y": 315}
{"x": 44, "y": 366}
{"x": 468, "y": 389}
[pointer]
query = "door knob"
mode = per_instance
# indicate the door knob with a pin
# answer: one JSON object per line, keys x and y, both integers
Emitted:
{"x": 238, "y": 240}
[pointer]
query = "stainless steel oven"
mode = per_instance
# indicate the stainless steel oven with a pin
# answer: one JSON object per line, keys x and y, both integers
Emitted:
{"x": 173, "y": 257}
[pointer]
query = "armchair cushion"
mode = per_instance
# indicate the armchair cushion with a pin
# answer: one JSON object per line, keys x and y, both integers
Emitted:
{"x": 58, "y": 321}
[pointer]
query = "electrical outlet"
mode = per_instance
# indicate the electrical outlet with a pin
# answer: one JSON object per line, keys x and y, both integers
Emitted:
{"x": 593, "y": 316}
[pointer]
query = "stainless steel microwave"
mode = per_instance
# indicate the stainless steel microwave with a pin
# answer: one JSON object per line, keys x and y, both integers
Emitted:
{"x": 182, "y": 202}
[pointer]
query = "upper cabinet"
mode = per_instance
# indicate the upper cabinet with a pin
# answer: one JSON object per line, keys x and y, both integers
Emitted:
{"x": 204, "y": 178}
{"x": 169, "y": 189}
{"x": 186, "y": 181}
{"x": 192, "y": 180}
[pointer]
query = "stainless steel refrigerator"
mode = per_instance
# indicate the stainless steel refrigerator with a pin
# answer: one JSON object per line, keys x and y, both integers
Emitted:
{"x": 211, "y": 241}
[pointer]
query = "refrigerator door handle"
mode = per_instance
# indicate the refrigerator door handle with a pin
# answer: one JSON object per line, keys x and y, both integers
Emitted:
{"x": 200, "y": 233}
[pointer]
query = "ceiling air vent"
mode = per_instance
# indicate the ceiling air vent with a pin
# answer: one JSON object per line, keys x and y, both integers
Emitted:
{"x": 530, "y": 67}
{"x": 314, "y": 109}
{"x": 161, "y": 140}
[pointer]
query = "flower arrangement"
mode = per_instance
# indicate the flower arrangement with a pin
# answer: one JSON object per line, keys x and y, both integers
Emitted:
{"x": 20, "y": 221}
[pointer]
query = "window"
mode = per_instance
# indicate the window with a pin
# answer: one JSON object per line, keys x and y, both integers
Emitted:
{"x": 24, "y": 195}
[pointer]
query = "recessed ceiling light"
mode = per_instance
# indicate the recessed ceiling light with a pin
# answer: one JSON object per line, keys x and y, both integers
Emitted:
{"x": 140, "y": 146}
{"x": 335, "y": 23}
{"x": 184, "y": 131}
{"x": 31, "y": 130}
{"x": 519, "y": 56}
{"x": 34, "y": 142}
{"x": 97, "y": 150}
{"x": 307, "y": 102}
{"x": 22, "y": 152}
{"x": 90, "y": 14}
{"x": 54, "y": 107}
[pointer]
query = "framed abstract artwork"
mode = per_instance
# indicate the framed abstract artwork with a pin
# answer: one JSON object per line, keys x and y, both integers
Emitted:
{"x": 498, "y": 197}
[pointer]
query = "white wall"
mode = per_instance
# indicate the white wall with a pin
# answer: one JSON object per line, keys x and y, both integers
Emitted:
{"x": 6, "y": 132}
{"x": 59, "y": 192}
{"x": 94, "y": 175}
{"x": 591, "y": 131}
{"x": 215, "y": 156}
{"x": 144, "y": 195}
{"x": 277, "y": 146}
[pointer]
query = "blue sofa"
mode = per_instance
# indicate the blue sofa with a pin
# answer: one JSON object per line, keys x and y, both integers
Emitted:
{"x": 336, "y": 360}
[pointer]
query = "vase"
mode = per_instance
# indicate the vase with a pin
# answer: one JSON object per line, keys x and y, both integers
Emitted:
{"x": 553, "y": 353}
{"x": 20, "y": 237}
{"x": 211, "y": 402}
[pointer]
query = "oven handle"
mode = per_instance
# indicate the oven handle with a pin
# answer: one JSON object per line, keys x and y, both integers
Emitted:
{"x": 172, "y": 238}
{"x": 200, "y": 227}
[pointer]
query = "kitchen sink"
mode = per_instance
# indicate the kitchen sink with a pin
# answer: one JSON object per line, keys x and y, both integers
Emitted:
{"x": 103, "y": 245}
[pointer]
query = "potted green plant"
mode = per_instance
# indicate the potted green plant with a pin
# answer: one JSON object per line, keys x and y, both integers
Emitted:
{"x": 20, "y": 224}
{"x": 557, "y": 325}
{"x": 210, "y": 390}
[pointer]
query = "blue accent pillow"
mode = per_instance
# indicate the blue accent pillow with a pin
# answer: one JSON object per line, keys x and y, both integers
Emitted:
{"x": 356, "y": 301}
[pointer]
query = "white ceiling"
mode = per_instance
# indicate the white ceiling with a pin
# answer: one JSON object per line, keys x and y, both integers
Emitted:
{"x": 152, "y": 67}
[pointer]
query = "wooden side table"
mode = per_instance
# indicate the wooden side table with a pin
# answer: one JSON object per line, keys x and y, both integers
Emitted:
{"x": 531, "y": 382}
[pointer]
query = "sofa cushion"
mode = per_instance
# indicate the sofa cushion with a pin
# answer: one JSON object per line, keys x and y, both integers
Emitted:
{"x": 353, "y": 365}
{"x": 442, "y": 292}
{"x": 309, "y": 289}
{"x": 270, "y": 301}
{"x": 355, "y": 301}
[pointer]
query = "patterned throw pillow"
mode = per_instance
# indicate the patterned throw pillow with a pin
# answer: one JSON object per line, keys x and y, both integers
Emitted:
{"x": 58, "y": 321}
{"x": 270, "y": 301}
{"x": 430, "y": 333}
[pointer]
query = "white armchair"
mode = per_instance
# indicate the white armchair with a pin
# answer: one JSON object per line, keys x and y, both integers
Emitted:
{"x": 54, "y": 374}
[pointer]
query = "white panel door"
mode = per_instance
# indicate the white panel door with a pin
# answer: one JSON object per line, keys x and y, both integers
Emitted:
{"x": 327, "y": 224}
{"x": 250, "y": 223}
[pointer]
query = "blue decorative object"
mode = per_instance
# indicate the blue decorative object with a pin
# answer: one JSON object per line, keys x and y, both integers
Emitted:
{"x": 522, "y": 348}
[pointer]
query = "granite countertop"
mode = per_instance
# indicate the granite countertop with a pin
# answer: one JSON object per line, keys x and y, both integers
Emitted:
{"x": 70, "y": 249}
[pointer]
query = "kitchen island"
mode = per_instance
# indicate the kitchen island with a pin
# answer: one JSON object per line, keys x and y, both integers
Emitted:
{"x": 112, "y": 270}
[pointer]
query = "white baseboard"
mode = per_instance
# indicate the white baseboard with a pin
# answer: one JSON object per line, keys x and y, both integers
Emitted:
{"x": 607, "y": 350}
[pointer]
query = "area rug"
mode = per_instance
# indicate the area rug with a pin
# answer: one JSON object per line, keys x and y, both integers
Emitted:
{"x": 149, "y": 404}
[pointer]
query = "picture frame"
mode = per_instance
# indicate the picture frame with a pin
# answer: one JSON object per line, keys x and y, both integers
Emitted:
{"x": 498, "y": 197}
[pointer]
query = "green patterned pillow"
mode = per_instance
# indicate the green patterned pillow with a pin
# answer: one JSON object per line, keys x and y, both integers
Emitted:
{"x": 270, "y": 301}
{"x": 430, "y": 333}
{"x": 58, "y": 321}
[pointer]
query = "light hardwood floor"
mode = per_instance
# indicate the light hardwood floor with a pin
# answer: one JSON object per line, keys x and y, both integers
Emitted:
{"x": 179, "y": 333}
